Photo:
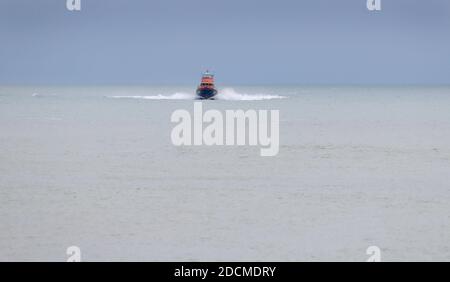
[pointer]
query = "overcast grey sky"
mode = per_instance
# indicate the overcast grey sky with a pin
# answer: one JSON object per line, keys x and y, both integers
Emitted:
{"x": 242, "y": 41}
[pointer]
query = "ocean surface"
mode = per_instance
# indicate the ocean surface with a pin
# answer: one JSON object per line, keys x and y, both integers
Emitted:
{"x": 95, "y": 167}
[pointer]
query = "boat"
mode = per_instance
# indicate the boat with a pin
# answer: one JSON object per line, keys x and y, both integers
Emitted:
{"x": 206, "y": 89}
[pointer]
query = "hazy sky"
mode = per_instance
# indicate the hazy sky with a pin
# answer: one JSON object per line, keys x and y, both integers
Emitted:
{"x": 242, "y": 41}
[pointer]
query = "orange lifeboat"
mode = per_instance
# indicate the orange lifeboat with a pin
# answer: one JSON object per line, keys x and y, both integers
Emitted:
{"x": 206, "y": 89}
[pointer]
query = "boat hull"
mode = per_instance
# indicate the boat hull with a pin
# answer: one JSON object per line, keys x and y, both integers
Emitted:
{"x": 206, "y": 93}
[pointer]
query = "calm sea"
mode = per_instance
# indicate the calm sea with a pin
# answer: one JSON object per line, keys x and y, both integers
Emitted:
{"x": 94, "y": 167}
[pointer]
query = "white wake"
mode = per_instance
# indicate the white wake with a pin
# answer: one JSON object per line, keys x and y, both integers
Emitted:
{"x": 176, "y": 96}
{"x": 225, "y": 94}
{"x": 230, "y": 94}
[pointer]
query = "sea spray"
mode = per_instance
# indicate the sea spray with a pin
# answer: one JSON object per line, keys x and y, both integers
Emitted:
{"x": 228, "y": 94}
{"x": 231, "y": 94}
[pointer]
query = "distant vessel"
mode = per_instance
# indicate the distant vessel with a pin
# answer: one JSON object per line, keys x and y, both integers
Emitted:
{"x": 206, "y": 89}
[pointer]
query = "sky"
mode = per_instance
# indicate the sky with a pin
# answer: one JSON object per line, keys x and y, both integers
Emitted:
{"x": 145, "y": 42}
